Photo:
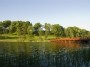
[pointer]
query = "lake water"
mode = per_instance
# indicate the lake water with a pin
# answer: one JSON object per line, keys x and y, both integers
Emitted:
{"x": 44, "y": 54}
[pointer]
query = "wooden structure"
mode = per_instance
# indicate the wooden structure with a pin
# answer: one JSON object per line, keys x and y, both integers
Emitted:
{"x": 65, "y": 40}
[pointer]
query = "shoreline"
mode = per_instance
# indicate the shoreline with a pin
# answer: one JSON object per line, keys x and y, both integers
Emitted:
{"x": 21, "y": 41}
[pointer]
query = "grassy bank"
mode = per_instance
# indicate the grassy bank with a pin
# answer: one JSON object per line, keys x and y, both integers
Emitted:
{"x": 24, "y": 38}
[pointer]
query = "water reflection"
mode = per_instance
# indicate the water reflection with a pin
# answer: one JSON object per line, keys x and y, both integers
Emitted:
{"x": 44, "y": 55}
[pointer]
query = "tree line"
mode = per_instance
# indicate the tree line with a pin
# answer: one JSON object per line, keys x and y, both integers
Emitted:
{"x": 37, "y": 29}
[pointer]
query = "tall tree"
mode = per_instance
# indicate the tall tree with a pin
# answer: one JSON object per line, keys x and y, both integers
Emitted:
{"x": 69, "y": 32}
{"x": 57, "y": 30}
{"x": 47, "y": 30}
{"x": 36, "y": 28}
{"x": 6, "y": 23}
{"x": 13, "y": 27}
{"x": 1, "y": 30}
{"x": 19, "y": 27}
{"x": 1, "y": 24}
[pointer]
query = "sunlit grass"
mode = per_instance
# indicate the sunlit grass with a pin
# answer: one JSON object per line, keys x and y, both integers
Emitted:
{"x": 24, "y": 38}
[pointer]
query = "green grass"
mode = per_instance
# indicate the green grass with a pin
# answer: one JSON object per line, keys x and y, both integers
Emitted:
{"x": 24, "y": 38}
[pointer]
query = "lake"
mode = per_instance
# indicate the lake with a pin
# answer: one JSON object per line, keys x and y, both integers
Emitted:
{"x": 44, "y": 54}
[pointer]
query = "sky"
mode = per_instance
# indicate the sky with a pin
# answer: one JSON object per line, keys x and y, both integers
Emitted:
{"x": 63, "y": 12}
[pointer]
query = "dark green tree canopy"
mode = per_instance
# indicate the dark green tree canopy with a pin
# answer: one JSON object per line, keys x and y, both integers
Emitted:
{"x": 37, "y": 25}
{"x": 6, "y": 23}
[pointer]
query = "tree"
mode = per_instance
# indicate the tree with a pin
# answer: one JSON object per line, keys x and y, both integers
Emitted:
{"x": 1, "y": 30}
{"x": 47, "y": 30}
{"x": 36, "y": 28}
{"x": 1, "y": 25}
{"x": 29, "y": 23}
{"x": 57, "y": 30}
{"x": 84, "y": 33}
{"x": 69, "y": 32}
{"x": 41, "y": 31}
{"x": 37, "y": 25}
{"x": 13, "y": 27}
{"x": 24, "y": 27}
{"x": 19, "y": 28}
{"x": 30, "y": 30}
{"x": 75, "y": 32}
{"x": 6, "y": 23}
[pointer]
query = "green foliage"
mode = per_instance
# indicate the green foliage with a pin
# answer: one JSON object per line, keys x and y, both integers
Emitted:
{"x": 6, "y": 23}
{"x": 37, "y": 25}
{"x": 47, "y": 30}
{"x": 1, "y": 25}
{"x": 85, "y": 33}
{"x": 1, "y": 30}
{"x": 36, "y": 28}
{"x": 41, "y": 32}
{"x": 13, "y": 27}
{"x": 30, "y": 30}
{"x": 76, "y": 32}
{"x": 57, "y": 30}
{"x": 24, "y": 28}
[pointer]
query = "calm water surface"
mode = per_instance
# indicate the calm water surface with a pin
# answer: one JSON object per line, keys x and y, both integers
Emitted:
{"x": 44, "y": 54}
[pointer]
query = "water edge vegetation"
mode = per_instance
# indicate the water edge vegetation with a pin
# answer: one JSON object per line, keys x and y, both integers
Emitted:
{"x": 26, "y": 31}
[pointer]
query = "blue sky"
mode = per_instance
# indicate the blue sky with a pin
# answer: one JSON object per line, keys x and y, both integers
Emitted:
{"x": 63, "y": 12}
